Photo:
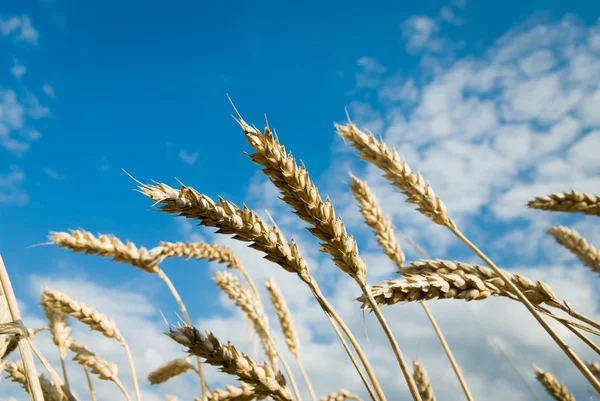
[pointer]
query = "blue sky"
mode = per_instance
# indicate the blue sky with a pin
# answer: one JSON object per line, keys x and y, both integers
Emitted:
{"x": 494, "y": 102}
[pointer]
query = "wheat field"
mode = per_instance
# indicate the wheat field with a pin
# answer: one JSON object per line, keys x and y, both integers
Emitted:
{"x": 270, "y": 370}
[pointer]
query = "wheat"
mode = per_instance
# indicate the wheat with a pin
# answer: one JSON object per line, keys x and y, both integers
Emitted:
{"x": 230, "y": 285}
{"x": 301, "y": 194}
{"x": 284, "y": 316}
{"x": 16, "y": 373}
{"x": 553, "y": 387}
{"x": 382, "y": 225}
{"x": 570, "y": 202}
{"x": 594, "y": 367}
{"x": 244, "y": 392}
{"x": 442, "y": 279}
{"x": 102, "y": 368}
{"x": 397, "y": 172}
{"x": 97, "y": 321}
{"x": 169, "y": 370}
{"x": 341, "y": 396}
{"x": 107, "y": 246}
{"x": 60, "y": 329}
{"x": 265, "y": 381}
{"x": 420, "y": 375}
{"x": 578, "y": 245}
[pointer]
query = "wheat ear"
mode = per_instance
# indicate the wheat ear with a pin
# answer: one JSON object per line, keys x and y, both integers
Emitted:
{"x": 421, "y": 194}
{"x": 384, "y": 231}
{"x": 287, "y": 327}
{"x": 553, "y": 387}
{"x": 570, "y": 202}
{"x": 99, "y": 366}
{"x": 96, "y": 320}
{"x": 578, "y": 245}
{"x": 301, "y": 194}
{"x": 230, "y": 360}
{"x": 146, "y": 260}
{"x": 61, "y": 336}
{"x": 245, "y": 392}
{"x": 249, "y": 227}
{"x": 51, "y": 392}
{"x": 255, "y": 312}
{"x": 594, "y": 367}
{"x": 420, "y": 375}
{"x": 169, "y": 370}
{"x": 35, "y": 389}
{"x": 341, "y": 396}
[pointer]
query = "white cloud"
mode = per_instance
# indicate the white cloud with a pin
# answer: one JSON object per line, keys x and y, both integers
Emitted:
{"x": 420, "y": 33}
{"x": 17, "y": 70}
{"x": 370, "y": 73}
{"x": 21, "y": 27}
{"x": 49, "y": 91}
{"x": 11, "y": 191}
{"x": 53, "y": 174}
{"x": 188, "y": 158}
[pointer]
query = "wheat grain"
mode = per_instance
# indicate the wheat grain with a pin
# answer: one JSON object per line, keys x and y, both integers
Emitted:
{"x": 169, "y": 370}
{"x": 99, "y": 366}
{"x": 341, "y": 396}
{"x": 442, "y": 279}
{"x": 107, "y": 246}
{"x": 397, "y": 172}
{"x": 570, "y": 202}
{"x": 244, "y": 392}
{"x": 553, "y": 387}
{"x": 382, "y": 225}
{"x": 420, "y": 375}
{"x": 578, "y": 245}
{"x": 284, "y": 316}
{"x": 594, "y": 367}
{"x": 16, "y": 373}
{"x": 97, "y": 321}
{"x": 265, "y": 381}
{"x": 60, "y": 329}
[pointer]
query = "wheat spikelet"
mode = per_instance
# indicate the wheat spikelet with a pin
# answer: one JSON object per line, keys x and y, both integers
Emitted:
{"x": 301, "y": 194}
{"x": 570, "y": 202}
{"x": 169, "y": 370}
{"x": 200, "y": 250}
{"x": 244, "y": 392}
{"x": 97, "y": 321}
{"x": 341, "y": 396}
{"x": 371, "y": 212}
{"x": 251, "y": 307}
{"x": 265, "y": 381}
{"x": 99, "y": 366}
{"x": 422, "y": 380}
{"x": 245, "y": 224}
{"x": 578, "y": 245}
{"x": 594, "y": 367}
{"x": 16, "y": 373}
{"x": 442, "y": 279}
{"x": 553, "y": 387}
{"x": 60, "y": 329}
{"x": 107, "y": 246}
{"x": 284, "y": 316}
{"x": 397, "y": 172}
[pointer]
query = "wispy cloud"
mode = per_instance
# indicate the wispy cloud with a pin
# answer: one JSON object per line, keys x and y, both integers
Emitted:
{"x": 11, "y": 190}
{"x": 49, "y": 91}
{"x": 188, "y": 158}
{"x": 53, "y": 174}
{"x": 18, "y": 69}
{"x": 421, "y": 33}
{"x": 19, "y": 27}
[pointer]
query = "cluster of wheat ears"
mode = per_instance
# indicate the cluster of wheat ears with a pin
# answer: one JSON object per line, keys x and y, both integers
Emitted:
{"x": 420, "y": 281}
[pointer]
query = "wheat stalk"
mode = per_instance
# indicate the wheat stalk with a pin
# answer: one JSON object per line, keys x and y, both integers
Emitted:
{"x": 249, "y": 227}
{"x": 384, "y": 231}
{"x": 570, "y": 202}
{"x": 287, "y": 327}
{"x": 96, "y": 320}
{"x": 245, "y": 392}
{"x": 553, "y": 387}
{"x": 301, "y": 194}
{"x": 169, "y": 370}
{"x": 265, "y": 381}
{"x": 420, "y": 375}
{"x": 10, "y": 302}
{"x": 578, "y": 245}
{"x": 418, "y": 192}
{"x": 61, "y": 336}
{"x": 341, "y": 396}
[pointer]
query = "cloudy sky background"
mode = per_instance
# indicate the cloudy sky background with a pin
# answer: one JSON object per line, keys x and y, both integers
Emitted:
{"x": 494, "y": 104}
